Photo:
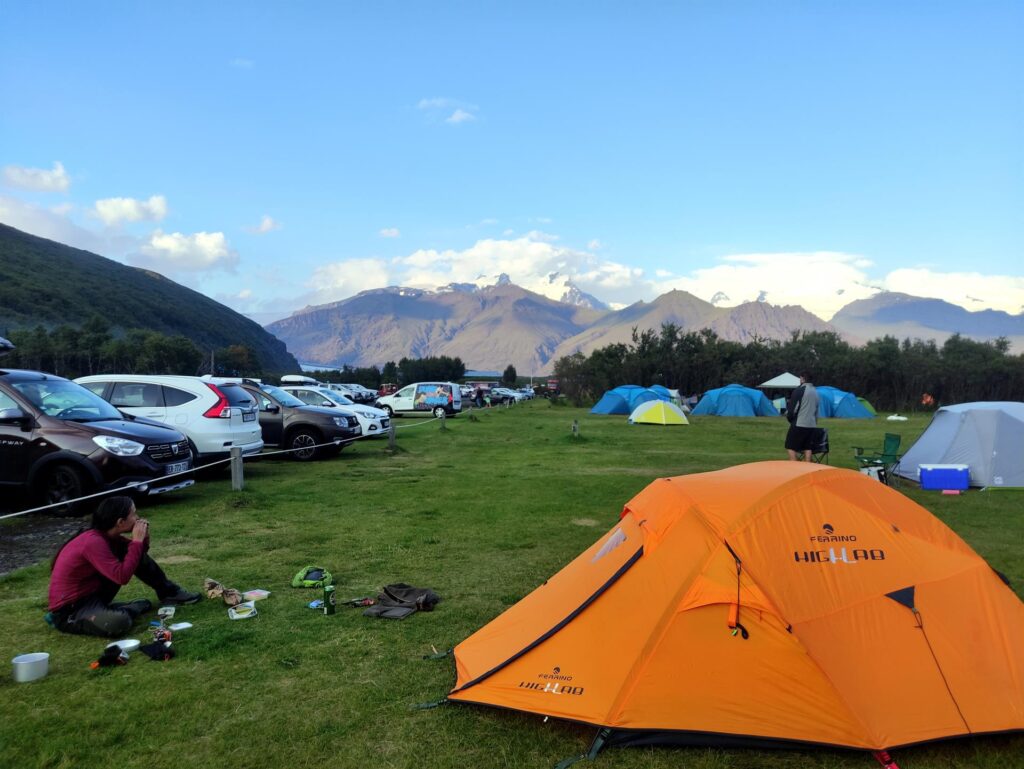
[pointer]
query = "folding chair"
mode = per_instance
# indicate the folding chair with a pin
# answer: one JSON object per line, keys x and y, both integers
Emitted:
{"x": 887, "y": 458}
{"x": 819, "y": 453}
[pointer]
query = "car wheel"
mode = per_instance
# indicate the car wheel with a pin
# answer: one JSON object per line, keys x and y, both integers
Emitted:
{"x": 439, "y": 412}
{"x": 62, "y": 483}
{"x": 390, "y": 411}
{"x": 302, "y": 443}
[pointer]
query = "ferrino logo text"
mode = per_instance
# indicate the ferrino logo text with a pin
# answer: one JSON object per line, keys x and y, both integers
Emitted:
{"x": 841, "y": 554}
{"x": 555, "y": 682}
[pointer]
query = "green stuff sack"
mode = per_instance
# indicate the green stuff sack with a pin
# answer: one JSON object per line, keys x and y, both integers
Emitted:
{"x": 312, "y": 576}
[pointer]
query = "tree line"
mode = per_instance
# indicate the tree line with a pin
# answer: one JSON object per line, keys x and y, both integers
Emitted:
{"x": 93, "y": 348}
{"x": 892, "y": 374}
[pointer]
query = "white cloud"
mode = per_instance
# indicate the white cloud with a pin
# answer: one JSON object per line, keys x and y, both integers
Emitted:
{"x": 508, "y": 232}
{"x": 267, "y": 224}
{"x": 821, "y": 282}
{"x": 460, "y": 116}
{"x": 116, "y": 210}
{"x": 340, "y": 280}
{"x": 389, "y": 232}
{"x": 436, "y": 103}
{"x": 594, "y": 245}
{"x": 998, "y": 292}
{"x": 48, "y": 223}
{"x": 38, "y": 179}
{"x": 541, "y": 236}
{"x": 176, "y": 252}
{"x": 488, "y": 222}
{"x": 241, "y": 63}
{"x": 450, "y": 111}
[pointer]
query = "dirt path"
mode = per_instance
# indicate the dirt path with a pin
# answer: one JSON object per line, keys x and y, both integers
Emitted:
{"x": 33, "y": 538}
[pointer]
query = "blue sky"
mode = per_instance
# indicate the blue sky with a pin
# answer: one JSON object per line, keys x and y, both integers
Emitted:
{"x": 273, "y": 155}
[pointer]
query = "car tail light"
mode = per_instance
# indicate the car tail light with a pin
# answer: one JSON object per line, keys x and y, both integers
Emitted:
{"x": 221, "y": 409}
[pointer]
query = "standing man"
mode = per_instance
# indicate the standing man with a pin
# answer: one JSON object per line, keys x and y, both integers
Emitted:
{"x": 802, "y": 413}
{"x": 90, "y": 568}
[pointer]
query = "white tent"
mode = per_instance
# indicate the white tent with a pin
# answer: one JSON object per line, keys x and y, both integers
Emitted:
{"x": 987, "y": 436}
{"x": 784, "y": 381}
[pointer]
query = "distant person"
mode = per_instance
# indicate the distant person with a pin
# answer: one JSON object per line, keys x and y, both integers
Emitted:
{"x": 91, "y": 567}
{"x": 478, "y": 398}
{"x": 802, "y": 413}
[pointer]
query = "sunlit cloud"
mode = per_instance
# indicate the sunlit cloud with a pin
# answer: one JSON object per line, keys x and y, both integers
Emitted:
{"x": 594, "y": 244}
{"x": 267, "y": 224}
{"x": 116, "y": 210}
{"x": 460, "y": 116}
{"x": 339, "y": 280}
{"x": 37, "y": 179}
{"x": 970, "y": 290}
{"x": 389, "y": 232}
{"x": 176, "y": 252}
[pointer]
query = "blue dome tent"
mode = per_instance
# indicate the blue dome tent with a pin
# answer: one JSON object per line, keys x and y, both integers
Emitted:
{"x": 735, "y": 401}
{"x": 833, "y": 402}
{"x": 623, "y": 399}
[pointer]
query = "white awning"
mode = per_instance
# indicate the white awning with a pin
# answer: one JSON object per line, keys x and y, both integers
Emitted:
{"x": 783, "y": 381}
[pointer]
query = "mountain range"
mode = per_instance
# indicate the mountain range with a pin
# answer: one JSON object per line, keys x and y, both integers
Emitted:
{"x": 492, "y": 326}
{"x": 46, "y": 283}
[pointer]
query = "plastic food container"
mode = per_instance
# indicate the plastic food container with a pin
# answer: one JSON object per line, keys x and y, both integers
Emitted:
{"x": 29, "y": 667}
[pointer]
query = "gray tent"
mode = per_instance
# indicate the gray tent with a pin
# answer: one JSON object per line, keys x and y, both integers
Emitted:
{"x": 987, "y": 436}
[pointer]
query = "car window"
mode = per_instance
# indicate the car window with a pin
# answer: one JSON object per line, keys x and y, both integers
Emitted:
{"x": 66, "y": 400}
{"x": 237, "y": 395}
{"x": 136, "y": 395}
{"x": 95, "y": 387}
{"x": 175, "y": 397}
{"x": 282, "y": 397}
{"x": 8, "y": 406}
{"x": 337, "y": 397}
{"x": 306, "y": 396}
{"x": 405, "y": 392}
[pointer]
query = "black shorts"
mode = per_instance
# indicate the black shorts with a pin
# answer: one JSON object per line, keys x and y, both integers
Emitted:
{"x": 801, "y": 438}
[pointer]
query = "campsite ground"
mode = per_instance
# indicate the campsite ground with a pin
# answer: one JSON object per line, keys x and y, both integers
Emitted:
{"x": 293, "y": 688}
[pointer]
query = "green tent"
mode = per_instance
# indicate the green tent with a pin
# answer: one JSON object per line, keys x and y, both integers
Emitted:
{"x": 864, "y": 402}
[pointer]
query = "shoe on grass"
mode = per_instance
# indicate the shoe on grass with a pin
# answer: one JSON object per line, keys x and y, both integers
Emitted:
{"x": 180, "y": 598}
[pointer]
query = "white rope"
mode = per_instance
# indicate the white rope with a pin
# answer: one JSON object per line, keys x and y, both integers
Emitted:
{"x": 135, "y": 484}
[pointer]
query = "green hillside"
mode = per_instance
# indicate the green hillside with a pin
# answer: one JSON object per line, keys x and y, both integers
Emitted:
{"x": 48, "y": 283}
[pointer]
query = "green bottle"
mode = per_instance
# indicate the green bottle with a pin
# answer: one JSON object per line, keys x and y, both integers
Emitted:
{"x": 329, "y": 605}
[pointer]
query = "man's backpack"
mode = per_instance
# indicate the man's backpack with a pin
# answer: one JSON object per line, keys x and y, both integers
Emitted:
{"x": 399, "y": 600}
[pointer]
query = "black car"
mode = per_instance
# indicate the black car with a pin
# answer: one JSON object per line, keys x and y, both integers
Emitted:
{"x": 291, "y": 424}
{"x": 60, "y": 442}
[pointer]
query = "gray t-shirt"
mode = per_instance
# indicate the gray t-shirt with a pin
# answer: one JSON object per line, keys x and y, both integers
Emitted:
{"x": 807, "y": 414}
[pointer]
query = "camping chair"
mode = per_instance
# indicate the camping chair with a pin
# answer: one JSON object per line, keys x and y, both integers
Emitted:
{"x": 888, "y": 458}
{"x": 819, "y": 453}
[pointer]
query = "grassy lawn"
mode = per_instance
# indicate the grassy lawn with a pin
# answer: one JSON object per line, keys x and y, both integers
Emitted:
{"x": 482, "y": 513}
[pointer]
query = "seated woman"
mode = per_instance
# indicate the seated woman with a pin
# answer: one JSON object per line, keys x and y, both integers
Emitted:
{"x": 91, "y": 567}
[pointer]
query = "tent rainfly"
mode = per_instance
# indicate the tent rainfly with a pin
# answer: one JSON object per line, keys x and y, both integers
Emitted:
{"x": 623, "y": 399}
{"x": 658, "y": 413}
{"x": 987, "y": 436}
{"x": 833, "y": 402}
{"x": 775, "y": 603}
{"x": 735, "y": 401}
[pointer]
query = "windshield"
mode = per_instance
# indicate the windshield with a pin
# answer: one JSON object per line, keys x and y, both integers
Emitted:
{"x": 282, "y": 397}
{"x": 335, "y": 396}
{"x": 67, "y": 400}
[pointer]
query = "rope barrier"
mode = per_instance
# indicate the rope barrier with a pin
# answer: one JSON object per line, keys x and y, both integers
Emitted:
{"x": 136, "y": 484}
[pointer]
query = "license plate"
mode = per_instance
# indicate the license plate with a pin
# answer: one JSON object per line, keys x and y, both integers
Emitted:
{"x": 249, "y": 416}
{"x": 176, "y": 467}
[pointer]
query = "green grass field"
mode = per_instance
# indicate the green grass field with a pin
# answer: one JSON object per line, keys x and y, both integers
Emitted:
{"x": 482, "y": 512}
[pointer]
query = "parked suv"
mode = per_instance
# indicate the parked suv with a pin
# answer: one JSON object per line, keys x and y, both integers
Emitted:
{"x": 291, "y": 424}
{"x": 60, "y": 442}
{"x": 437, "y": 398}
{"x": 214, "y": 417}
{"x": 374, "y": 421}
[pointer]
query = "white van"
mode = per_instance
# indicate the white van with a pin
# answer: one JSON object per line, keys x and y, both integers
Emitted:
{"x": 437, "y": 398}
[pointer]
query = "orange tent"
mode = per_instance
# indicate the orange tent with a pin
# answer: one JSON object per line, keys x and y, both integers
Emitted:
{"x": 772, "y": 603}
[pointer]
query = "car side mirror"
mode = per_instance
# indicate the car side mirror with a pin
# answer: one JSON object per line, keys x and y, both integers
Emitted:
{"x": 329, "y": 404}
{"x": 15, "y": 416}
{"x": 272, "y": 409}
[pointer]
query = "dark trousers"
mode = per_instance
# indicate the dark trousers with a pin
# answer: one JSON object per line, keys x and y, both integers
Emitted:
{"x": 97, "y": 614}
